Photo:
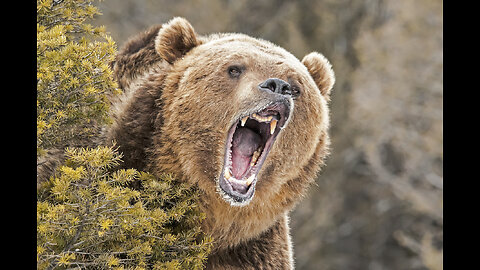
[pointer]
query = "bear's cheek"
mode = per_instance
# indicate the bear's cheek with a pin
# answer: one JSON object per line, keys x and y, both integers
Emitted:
{"x": 201, "y": 125}
{"x": 296, "y": 144}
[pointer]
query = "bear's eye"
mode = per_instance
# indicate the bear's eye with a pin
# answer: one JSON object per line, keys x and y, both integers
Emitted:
{"x": 295, "y": 91}
{"x": 234, "y": 71}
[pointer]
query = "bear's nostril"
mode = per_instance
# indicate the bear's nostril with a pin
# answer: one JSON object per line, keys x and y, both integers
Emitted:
{"x": 276, "y": 85}
{"x": 272, "y": 86}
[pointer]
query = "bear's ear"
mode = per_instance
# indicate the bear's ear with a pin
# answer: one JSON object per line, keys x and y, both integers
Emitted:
{"x": 321, "y": 71}
{"x": 175, "y": 39}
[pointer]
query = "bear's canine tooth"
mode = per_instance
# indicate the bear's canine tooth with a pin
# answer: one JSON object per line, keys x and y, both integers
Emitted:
{"x": 240, "y": 182}
{"x": 230, "y": 178}
{"x": 244, "y": 120}
{"x": 273, "y": 125}
{"x": 250, "y": 179}
{"x": 227, "y": 174}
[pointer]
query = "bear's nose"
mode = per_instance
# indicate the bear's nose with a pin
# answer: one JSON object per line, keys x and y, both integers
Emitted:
{"x": 276, "y": 85}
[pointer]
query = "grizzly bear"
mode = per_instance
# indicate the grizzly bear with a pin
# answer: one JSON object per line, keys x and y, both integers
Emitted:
{"x": 237, "y": 116}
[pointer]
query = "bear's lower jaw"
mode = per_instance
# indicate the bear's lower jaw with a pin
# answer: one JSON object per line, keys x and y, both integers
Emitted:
{"x": 249, "y": 141}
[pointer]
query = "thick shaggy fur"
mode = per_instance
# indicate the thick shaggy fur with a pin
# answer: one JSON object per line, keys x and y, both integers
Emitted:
{"x": 174, "y": 116}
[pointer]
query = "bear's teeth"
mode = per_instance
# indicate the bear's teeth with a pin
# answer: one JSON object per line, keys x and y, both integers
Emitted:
{"x": 262, "y": 118}
{"x": 227, "y": 174}
{"x": 255, "y": 156}
{"x": 236, "y": 181}
{"x": 232, "y": 179}
{"x": 250, "y": 179}
{"x": 244, "y": 120}
{"x": 273, "y": 125}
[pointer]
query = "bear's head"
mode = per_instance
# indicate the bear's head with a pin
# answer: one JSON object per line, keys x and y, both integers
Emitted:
{"x": 247, "y": 121}
{"x": 239, "y": 117}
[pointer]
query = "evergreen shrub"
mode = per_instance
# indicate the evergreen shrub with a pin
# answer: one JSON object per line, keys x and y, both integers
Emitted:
{"x": 89, "y": 215}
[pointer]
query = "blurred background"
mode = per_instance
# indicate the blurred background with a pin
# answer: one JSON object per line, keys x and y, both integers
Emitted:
{"x": 378, "y": 204}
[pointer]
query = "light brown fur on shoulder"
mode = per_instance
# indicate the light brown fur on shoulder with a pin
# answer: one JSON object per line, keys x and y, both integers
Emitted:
{"x": 202, "y": 107}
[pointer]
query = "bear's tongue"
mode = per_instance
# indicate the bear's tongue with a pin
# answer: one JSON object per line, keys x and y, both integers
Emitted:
{"x": 245, "y": 142}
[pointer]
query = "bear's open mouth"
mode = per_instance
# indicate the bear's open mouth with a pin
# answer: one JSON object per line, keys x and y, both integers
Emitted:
{"x": 248, "y": 143}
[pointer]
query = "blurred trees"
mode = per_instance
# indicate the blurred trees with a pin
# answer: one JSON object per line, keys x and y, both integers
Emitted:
{"x": 378, "y": 202}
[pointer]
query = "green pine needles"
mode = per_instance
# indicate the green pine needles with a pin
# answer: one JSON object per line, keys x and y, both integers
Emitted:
{"x": 74, "y": 81}
{"x": 91, "y": 215}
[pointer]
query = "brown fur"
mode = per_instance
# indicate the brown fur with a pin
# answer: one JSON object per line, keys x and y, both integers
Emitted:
{"x": 46, "y": 165}
{"x": 175, "y": 114}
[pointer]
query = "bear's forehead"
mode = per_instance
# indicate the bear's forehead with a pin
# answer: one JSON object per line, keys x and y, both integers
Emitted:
{"x": 242, "y": 47}
{"x": 222, "y": 50}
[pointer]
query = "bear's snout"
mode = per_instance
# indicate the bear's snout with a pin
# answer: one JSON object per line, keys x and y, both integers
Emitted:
{"x": 276, "y": 85}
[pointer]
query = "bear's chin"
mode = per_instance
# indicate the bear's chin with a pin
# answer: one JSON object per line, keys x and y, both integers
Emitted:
{"x": 248, "y": 143}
